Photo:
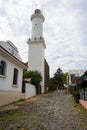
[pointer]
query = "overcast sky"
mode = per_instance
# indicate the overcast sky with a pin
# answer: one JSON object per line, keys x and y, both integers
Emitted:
{"x": 65, "y": 30}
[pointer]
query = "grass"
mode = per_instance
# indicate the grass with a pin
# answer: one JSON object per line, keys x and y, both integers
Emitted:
{"x": 22, "y": 128}
{"x": 79, "y": 108}
{"x": 14, "y": 115}
{"x": 51, "y": 91}
{"x": 6, "y": 118}
{"x": 81, "y": 114}
{"x": 20, "y": 100}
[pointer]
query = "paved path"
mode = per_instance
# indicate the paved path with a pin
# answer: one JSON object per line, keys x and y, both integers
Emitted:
{"x": 54, "y": 111}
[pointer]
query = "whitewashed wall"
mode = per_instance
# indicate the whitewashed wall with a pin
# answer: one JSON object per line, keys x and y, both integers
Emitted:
{"x": 11, "y": 48}
{"x": 30, "y": 90}
{"x": 76, "y": 72}
{"x": 37, "y": 27}
{"x": 7, "y": 97}
{"x": 7, "y": 80}
{"x": 36, "y": 60}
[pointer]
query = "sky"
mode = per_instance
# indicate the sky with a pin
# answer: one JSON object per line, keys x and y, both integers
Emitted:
{"x": 64, "y": 30}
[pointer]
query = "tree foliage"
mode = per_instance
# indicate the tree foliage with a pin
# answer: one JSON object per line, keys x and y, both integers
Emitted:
{"x": 52, "y": 85}
{"x": 35, "y": 76}
{"x": 57, "y": 80}
{"x": 58, "y": 77}
{"x": 65, "y": 78}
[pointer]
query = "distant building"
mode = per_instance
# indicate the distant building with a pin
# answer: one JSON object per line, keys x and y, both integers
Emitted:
{"x": 72, "y": 74}
{"x": 83, "y": 86}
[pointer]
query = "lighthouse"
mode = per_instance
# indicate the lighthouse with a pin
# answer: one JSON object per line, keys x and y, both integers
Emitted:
{"x": 37, "y": 46}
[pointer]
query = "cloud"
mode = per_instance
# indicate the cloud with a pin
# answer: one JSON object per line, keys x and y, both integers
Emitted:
{"x": 14, "y": 24}
{"x": 68, "y": 34}
{"x": 64, "y": 30}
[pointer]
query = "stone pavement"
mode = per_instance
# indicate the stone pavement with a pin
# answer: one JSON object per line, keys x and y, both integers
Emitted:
{"x": 53, "y": 111}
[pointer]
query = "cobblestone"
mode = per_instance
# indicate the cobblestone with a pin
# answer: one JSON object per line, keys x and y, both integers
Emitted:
{"x": 53, "y": 111}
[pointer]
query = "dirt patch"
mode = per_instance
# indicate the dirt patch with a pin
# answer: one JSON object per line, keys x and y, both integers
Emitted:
{"x": 32, "y": 99}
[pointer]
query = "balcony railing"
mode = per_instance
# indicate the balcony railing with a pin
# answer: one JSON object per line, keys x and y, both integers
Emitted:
{"x": 36, "y": 39}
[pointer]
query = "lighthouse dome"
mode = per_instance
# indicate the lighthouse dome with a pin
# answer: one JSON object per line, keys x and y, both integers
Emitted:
{"x": 37, "y": 11}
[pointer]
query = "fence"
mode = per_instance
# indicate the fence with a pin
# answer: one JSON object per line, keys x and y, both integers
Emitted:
{"x": 83, "y": 94}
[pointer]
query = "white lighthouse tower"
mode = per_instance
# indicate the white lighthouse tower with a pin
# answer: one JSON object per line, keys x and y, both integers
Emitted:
{"x": 37, "y": 45}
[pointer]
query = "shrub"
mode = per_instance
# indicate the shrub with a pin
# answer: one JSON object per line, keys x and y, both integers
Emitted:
{"x": 36, "y": 78}
{"x": 52, "y": 85}
{"x": 76, "y": 96}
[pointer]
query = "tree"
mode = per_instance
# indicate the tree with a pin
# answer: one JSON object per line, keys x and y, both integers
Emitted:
{"x": 58, "y": 77}
{"x": 36, "y": 78}
{"x": 65, "y": 78}
{"x": 52, "y": 85}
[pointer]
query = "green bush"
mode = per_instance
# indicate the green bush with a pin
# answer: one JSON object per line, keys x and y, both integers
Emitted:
{"x": 76, "y": 96}
{"x": 52, "y": 85}
{"x": 36, "y": 78}
{"x": 75, "y": 93}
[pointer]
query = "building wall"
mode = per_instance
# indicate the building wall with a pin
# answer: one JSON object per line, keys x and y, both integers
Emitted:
{"x": 76, "y": 73}
{"x": 7, "y": 97}
{"x": 7, "y": 80}
{"x": 11, "y": 48}
{"x": 37, "y": 24}
{"x": 36, "y": 60}
{"x": 46, "y": 74}
{"x": 30, "y": 90}
{"x": 37, "y": 27}
{"x": 37, "y": 45}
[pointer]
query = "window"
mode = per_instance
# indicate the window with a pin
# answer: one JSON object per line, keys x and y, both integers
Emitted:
{"x": 73, "y": 78}
{"x": 15, "y": 76}
{"x": 2, "y": 67}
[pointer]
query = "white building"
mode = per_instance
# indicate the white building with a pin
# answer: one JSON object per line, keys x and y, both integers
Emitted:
{"x": 11, "y": 72}
{"x": 37, "y": 45}
{"x": 72, "y": 74}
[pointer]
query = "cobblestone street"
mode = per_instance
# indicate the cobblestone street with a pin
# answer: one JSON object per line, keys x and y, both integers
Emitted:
{"x": 53, "y": 111}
